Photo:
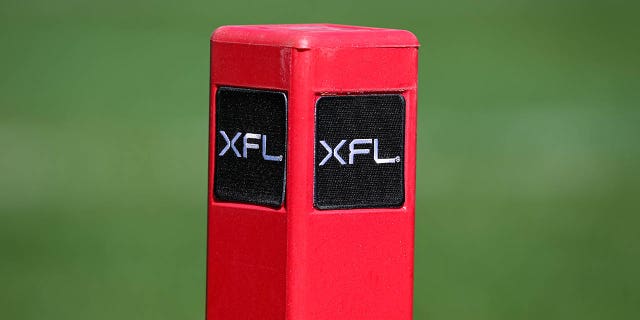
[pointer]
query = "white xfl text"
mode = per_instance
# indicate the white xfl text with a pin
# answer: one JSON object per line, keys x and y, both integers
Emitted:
{"x": 353, "y": 151}
{"x": 247, "y": 145}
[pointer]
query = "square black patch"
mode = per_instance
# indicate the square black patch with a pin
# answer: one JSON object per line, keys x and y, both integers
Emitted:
{"x": 359, "y": 151}
{"x": 250, "y": 143}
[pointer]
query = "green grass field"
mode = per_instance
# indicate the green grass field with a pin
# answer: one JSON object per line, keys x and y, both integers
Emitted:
{"x": 529, "y": 154}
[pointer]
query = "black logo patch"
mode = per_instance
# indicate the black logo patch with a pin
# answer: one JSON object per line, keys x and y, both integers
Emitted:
{"x": 250, "y": 155}
{"x": 359, "y": 151}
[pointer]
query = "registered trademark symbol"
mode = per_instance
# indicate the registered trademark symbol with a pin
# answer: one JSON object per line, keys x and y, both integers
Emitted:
{"x": 398, "y": 159}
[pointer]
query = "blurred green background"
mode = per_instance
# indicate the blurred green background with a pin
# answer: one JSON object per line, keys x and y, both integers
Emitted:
{"x": 529, "y": 154}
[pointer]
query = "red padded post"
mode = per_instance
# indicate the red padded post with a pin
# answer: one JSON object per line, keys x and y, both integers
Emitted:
{"x": 282, "y": 244}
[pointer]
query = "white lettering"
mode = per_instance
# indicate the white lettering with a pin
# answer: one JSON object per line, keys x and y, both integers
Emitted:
{"x": 333, "y": 152}
{"x": 230, "y": 144}
{"x": 353, "y": 151}
{"x": 247, "y": 145}
{"x": 377, "y": 159}
{"x": 264, "y": 151}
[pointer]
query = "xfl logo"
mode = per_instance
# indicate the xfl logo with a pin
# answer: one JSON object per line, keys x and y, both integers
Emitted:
{"x": 247, "y": 145}
{"x": 355, "y": 150}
